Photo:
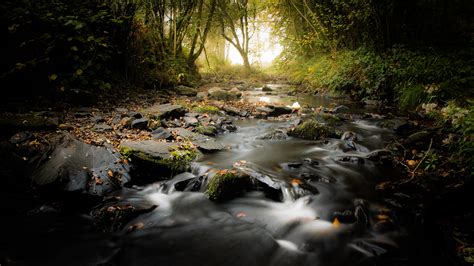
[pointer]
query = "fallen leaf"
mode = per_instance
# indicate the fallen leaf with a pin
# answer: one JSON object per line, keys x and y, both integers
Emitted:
{"x": 336, "y": 222}
{"x": 110, "y": 173}
{"x": 241, "y": 214}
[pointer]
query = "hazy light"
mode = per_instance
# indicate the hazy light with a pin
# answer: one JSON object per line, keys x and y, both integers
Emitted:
{"x": 264, "y": 48}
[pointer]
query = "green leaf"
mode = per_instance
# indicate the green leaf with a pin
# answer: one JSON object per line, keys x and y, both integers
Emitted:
{"x": 53, "y": 77}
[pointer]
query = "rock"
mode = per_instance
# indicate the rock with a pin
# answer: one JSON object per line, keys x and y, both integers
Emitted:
{"x": 206, "y": 130}
{"x": 230, "y": 110}
{"x": 201, "y": 141}
{"x": 416, "y": 137}
{"x": 266, "y": 88}
{"x": 153, "y": 157}
{"x": 102, "y": 128}
{"x": 223, "y": 95}
{"x": 126, "y": 122}
{"x": 340, "y": 109}
{"x": 383, "y": 156}
{"x": 190, "y": 121}
{"x": 398, "y": 124}
{"x": 227, "y": 184}
{"x": 20, "y": 137}
{"x": 135, "y": 115}
{"x": 229, "y": 127}
{"x": 278, "y": 134}
{"x": 76, "y": 166}
{"x": 311, "y": 130}
{"x": 185, "y": 90}
{"x": 280, "y": 110}
{"x": 202, "y": 95}
{"x": 274, "y": 110}
{"x": 161, "y": 133}
{"x": 349, "y": 136}
{"x": 165, "y": 111}
{"x": 141, "y": 123}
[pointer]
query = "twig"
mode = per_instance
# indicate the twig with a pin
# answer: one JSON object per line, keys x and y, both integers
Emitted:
{"x": 419, "y": 163}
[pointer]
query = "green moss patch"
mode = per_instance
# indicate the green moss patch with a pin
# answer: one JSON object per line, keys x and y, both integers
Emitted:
{"x": 227, "y": 184}
{"x": 311, "y": 130}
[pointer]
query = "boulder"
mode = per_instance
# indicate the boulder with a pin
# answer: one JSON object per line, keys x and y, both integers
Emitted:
{"x": 161, "y": 133}
{"x": 77, "y": 166}
{"x": 340, "y": 109}
{"x": 185, "y": 90}
{"x": 417, "y": 137}
{"x": 227, "y": 184}
{"x": 165, "y": 111}
{"x": 223, "y": 95}
{"x": 153, "y": 158}
{"x": 271, "y": 110}
{"x": 141, "y": 123}
{"x": 190, "y": 121}
{"x": 311, "y": 130}
{"x": 266, "y": 88}
{"x": 206, "y": 130}
{"x": 201, "y": 141}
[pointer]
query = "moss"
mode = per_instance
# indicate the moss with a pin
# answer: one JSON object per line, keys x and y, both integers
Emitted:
{"x": 206, "y": 130}
{"x": 227, "y": 184}
{"x": 209, "y": 109}
{"x": 331, "y": 120}
{"x": 311, "y": 130}
{"x": 225, "y": 95}
{"x": 179, "y": 159}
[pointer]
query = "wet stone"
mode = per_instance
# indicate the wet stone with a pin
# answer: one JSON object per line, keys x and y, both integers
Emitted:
{"x": 141, "y": 123}
{"x": 102, "y": 128}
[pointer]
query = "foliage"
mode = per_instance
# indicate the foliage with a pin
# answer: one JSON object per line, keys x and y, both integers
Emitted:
{"x": 62, "y": 45}
{"x": 399, "y": 74}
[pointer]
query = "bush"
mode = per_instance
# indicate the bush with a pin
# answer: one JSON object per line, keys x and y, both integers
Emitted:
{"x": 62, "y": 44}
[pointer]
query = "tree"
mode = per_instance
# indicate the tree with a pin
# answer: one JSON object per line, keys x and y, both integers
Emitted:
{"x": 235, "y": 19}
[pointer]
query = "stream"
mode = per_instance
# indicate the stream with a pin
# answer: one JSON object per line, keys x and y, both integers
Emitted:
{"x": 318, "y": 208}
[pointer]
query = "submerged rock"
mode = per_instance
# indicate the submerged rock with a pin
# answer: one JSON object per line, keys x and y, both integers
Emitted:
{"x": 77, "y": 166}
{"x": 227, "y": 184}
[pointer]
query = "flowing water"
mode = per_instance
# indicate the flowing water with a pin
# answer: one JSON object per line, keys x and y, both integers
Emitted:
{"x": 318, "y": 205}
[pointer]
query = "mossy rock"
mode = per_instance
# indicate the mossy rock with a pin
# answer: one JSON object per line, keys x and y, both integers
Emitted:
{"x": 312, "y": 130}
{"x": 164, "y": 157}
{"x": 223, "y": 95}
{"x": 208, "y": 109}
{"x": 206, "y": 130}
{"x": 227, "y": 184}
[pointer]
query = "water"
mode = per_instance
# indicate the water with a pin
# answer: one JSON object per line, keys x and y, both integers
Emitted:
{"x": 322, "y": 209}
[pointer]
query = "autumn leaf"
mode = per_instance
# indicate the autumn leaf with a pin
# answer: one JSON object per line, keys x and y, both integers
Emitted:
{"x": 241, "y": 214}
{"x": 110, "y": 173}
{"x": 336, "y": 222}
